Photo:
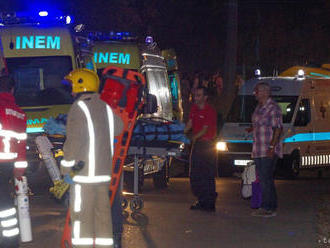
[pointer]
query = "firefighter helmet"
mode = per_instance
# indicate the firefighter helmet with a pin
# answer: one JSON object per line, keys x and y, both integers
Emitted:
{"x": 83, "y": 80}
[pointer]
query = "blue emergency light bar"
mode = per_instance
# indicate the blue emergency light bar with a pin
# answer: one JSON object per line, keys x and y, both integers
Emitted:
{"x": 35, "y": 17}
{"x": 111, "y": 36}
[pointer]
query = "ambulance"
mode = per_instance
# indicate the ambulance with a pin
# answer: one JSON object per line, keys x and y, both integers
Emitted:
{"x": 122, "y": 49}
{"x": 305, "y": 105}
{"x": 310, "y": 71}
{"x": 38, "y": 56}
{"x": 40, "y": 50}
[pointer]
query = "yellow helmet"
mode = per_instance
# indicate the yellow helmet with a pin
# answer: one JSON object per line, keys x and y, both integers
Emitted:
{"x": 83, "y": 80}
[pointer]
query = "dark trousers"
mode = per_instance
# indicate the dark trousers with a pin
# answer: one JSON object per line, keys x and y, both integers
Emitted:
{"x": 265, "y": 168}
{"x": 7, "y": 203}
{"x": 202, "y": 172}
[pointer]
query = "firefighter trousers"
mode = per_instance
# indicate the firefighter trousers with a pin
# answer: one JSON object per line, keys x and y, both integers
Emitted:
{"x": 90, "y": 215}
{"x": 9, "y": 231}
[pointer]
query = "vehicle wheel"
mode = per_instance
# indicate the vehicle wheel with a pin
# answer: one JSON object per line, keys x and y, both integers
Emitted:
{"x": 161, "y": 178}
{"x": 293, "y": 166}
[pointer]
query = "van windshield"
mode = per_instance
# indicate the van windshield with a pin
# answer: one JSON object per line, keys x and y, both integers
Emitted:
{"x": 38, "y": 80}
{"x": 244, "y": 105}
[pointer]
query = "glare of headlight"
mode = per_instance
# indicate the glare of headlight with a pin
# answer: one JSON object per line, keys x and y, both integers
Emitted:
{"x": 301, "y": 73}
{"x": 221, "y": 146}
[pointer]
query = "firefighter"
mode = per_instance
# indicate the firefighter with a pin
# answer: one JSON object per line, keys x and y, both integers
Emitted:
{"x": 88, "y": 149}
{"x": 12, "y": 160}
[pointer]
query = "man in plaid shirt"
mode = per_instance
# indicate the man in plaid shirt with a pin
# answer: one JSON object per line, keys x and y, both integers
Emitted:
{"x": 267, "y": 147}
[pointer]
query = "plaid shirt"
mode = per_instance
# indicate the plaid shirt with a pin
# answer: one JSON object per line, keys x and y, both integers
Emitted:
{"x": 264, "y": 119}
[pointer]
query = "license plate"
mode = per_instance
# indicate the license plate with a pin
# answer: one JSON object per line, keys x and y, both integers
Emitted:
{"x": 241, "y": 162}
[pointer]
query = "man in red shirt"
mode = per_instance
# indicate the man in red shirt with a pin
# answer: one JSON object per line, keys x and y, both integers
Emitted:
{"x": 12, "y": 160}
{"x": 203, "y": 122}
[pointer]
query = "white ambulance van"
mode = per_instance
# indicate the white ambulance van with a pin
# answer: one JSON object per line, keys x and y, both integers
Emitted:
{"x": 305, "y": 105}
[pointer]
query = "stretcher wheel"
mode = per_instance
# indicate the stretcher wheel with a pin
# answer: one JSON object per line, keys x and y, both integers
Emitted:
{"x": 124, "y": 203}
{"x": 136, "y": 204}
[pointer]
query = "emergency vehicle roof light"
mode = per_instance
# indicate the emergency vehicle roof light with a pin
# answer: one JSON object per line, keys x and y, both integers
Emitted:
{"x": 43, "y": 13}
{"x": 301, "y": 74}
{"x": 257, "y": 73}
{"x": 68, "y": 19}
{"x": 111, "y": 36}
{"x": 149, "y": 40}
{"x": 35, "y": 17}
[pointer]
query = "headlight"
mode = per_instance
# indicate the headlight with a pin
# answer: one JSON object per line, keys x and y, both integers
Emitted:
{"x": 221, "y": 146}
{"x": 181, "y": 147}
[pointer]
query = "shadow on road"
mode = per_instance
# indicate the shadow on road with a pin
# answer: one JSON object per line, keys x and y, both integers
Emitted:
{"x": 141, "y": 221}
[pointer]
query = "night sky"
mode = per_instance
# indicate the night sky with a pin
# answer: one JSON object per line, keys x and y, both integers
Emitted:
{"x": 271, "y": 34}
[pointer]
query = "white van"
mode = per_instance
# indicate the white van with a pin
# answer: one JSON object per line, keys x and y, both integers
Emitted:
{"x": 305, "y": 105}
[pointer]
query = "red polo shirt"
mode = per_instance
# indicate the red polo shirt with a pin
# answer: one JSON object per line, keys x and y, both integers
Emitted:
{"x": 204, "y": 117}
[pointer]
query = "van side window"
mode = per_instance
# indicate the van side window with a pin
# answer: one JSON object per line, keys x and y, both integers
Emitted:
{"x": 304, "y": 113}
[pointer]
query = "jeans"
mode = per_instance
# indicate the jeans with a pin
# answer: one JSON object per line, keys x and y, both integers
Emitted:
{"x": 265, "y": 169}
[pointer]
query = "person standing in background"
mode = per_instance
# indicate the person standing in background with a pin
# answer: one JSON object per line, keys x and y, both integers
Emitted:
{"x": 267, "y": 147}
{"x": 203, "y": 122}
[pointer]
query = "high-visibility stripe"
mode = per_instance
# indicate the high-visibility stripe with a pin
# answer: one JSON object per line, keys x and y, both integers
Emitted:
{"x": 8, "y": 155}
{"x": 13, "y": 134}
{"x": 77, "y": 198}
{"x": 76, "y": 240}
{"x": 66, "y": 163}
{"x": 7, "y": 213}
{"x": 91, "y": 157}
{"x": 323, "y": 159}
{"x": 111, "y": 128}
{"x": 6, "y": 144}
{"x": 8, "y": 223}
{"x": 21, "y": 164}
{"x": 104, "y": 241}
{"x": 11, "y": 232}
{"x": 82, "y": 241}
{"x": 89, "y": 179}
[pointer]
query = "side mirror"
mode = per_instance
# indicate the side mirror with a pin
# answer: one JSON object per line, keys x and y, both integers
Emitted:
{"x": 150, "y": 105}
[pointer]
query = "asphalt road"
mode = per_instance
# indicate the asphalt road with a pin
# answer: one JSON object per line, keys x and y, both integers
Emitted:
{"x": 166, "y": 220}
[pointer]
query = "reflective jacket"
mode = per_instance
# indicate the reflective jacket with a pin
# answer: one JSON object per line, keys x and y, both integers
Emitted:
{"x": 90, "y": 131}
{"x": 12, "y": 132}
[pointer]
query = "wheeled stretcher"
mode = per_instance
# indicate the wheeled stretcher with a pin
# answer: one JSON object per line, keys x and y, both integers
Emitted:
{"x": 148, "y": 157}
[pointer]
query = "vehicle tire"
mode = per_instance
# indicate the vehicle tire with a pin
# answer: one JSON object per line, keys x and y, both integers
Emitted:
{"x": 293, "y": 166}
{"x": 161, "y": 178}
